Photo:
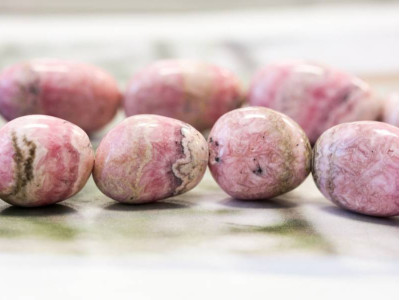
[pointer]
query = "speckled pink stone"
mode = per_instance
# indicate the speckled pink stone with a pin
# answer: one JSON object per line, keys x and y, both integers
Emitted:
{"x": 43, "y": 160}
{"x": 356, "y": 166}
{"x": 390, "y": 112}
{"x": 317, "y": 97}
{"x": 148, "y": 157}
{"x": 82, "y": 94}
{"x": 195, "y": 92}
{"x": 258, "y": 153}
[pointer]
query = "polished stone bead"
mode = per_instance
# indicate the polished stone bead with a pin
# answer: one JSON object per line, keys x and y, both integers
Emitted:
{"x": 356, "y": 166}
{"x": 148, "y": 157}
{"x": 43, "y": 160}
{"x": 258, "y": 153}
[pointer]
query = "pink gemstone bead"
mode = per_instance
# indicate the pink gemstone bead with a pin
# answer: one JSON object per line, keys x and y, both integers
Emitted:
{"x": 258, "y": 153}
{"x": 356, "y": 166}
{"x": 317, "y": 97}
{"x": 148, "y": 157}
{"x": 82, "y": 94}
{"x": 43, "y": 160}
{"x": 195, "y": 92}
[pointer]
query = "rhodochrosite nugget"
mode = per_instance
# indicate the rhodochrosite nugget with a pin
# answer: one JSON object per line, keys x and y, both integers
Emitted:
{"x": 356, "y": 165}
{"x": 43, "y": 160}
{"x": 258, "y": 153}
{"x": 195, "y": 92}
{"x": 317, "y": 97}
{"x": 82, "y": 94}
{"x": 147, "y": 158}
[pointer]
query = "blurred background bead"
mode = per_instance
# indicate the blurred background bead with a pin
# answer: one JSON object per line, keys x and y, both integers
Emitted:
{"x": 79, "y": 93}
{"x": 317, "y": 97}
{"x": 192, "y": 91}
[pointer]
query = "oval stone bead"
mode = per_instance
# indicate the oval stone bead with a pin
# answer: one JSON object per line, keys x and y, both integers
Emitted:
{"x": 195, "y": 92}
{"x": 317, "y": 97}
{"x": 43, "y": 160}
{"x": 148, "y": 157}
{"x": 356, "y": 166}
{"x": 79, "y": 93}
{"x": 258, "y": 153}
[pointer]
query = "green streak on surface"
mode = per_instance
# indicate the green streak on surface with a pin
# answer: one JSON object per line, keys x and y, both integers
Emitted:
{"x": 300, "y": 232}
{"x": 32, "y": 227}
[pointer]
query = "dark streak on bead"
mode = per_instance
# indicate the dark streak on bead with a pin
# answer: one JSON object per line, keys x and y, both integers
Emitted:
{"x": 258, "y": 171}
{"x": 181, "y": 154}
{"x": 176, "y": 181}
{"x": 28, "y": 164}
{"x": 314, "y": 155}
{"x": 217, "y": 159}
{"x": 285, "y": 177}
{"x": 33, "y": 89}
{"x": 345, "y": 94}
{"x": 24, "y": 165}
{"x": 330, "y": 185}
{"x": 29, "y": 89}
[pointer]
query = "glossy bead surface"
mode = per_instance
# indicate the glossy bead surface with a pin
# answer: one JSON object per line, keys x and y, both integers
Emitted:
{"x": 317, "y": 97}
{"x": 195, "y": 92}
{"x": 79, "y": 93}
{"x": 148, "y": 157}
{"x": 356, "y": 166}
{"x": 43, "y": 160}
{"x": 258, "y": 153}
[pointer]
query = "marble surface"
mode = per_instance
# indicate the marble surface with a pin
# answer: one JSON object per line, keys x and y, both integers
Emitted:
{"x": 203, "y": 222}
